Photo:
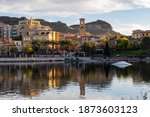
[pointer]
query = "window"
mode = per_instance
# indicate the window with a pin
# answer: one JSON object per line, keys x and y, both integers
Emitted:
{"x": 42, "y": 33}
{"x": 23, "y": 23}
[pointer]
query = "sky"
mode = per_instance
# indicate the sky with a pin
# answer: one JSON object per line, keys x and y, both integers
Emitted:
{"x": 123, "y": 15}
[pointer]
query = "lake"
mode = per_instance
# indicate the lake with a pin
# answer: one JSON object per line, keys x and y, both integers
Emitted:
{"x": 74, "y": 81}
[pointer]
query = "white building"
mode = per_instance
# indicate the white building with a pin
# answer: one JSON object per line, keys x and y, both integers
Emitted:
{"x": 15, "y": 31}
{"x": 89, "y": 39}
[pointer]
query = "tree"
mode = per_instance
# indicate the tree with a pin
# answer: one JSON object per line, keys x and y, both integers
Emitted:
{"x": 14, "y": 50}
{"x": 28, "y": 49}
{"x": 92, "y": 48}
{"x": 68, "y": 44}
{"x": 145, "y": 45}
{"x": 107, "y": 49}
{"x": 46, "y": 43}
{"x": 17, "y": 38}
{"x": 86, "y": 48}
{"x": 52, "y": 42}
{"x": 101, "y": 44}
{"x": 89, "y": 48}
{"x": 62, "y": 45}
{"x": 122, "y": 43}
{"x": 134, "y": 45}
{"x": 36, "y": 45}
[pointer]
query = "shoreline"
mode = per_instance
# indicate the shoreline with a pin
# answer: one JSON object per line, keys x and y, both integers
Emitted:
{"x": 73, "y": 59}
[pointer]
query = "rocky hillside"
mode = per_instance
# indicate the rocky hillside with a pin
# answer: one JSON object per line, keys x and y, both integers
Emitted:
{"x": 11, "y": 20}
{"x": 98, "y": 27}
{"x": 58, "y": 26}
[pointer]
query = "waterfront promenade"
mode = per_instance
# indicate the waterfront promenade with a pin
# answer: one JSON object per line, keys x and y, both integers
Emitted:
{"x": 44, "y": 59}
{"x": 74, "y": 59}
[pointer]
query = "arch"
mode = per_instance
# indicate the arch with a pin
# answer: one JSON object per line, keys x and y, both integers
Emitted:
{"x": 42, "y": 33}
{"x": 47, "y": 33}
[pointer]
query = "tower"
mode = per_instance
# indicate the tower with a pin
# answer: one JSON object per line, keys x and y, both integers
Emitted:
{"x": 82, "y": 29}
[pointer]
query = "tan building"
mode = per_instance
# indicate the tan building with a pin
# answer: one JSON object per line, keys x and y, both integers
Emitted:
{"x": 82, "y": 30}
{"x": 32, "y": 30}
{"x": 57, "y": 36}
{"x": 40, "y": 32}
{"x": 138, "y": 34}
{"x": 29, "y": 23}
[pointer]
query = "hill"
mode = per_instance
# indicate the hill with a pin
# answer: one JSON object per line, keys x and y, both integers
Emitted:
{"x": 97, "y": 27}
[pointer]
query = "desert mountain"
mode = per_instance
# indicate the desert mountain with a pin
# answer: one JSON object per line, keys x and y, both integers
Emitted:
{"x": 97, "y": 27}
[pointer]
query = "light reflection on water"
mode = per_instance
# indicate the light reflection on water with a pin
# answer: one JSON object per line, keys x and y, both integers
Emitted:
{"x": 74, "y": 81}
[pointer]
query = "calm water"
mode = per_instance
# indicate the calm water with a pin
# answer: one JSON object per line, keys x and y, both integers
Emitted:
{"x": 74, "y": 81}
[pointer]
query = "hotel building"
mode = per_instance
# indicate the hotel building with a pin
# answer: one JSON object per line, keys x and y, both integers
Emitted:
{"x": 32, "y": 30}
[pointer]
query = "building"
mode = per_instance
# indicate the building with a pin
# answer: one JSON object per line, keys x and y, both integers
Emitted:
{"x": 15, "y": 31}
{"x": 29, "y": 23}
{"x": 89, "y": 39}
{"x": 82, "y": 30}
{"x": 18, "y": 44}
{"x": 57, "y": 36}
{"x": 5, "y": 37}
{"x": 40, "y": 32}
{"x": 5, "y": 32}
{"x": 138, "y": 34}
{"x": 32, "y": 30}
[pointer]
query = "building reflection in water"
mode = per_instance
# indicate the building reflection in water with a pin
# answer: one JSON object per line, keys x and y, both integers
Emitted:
{"x": 32, "y": 79}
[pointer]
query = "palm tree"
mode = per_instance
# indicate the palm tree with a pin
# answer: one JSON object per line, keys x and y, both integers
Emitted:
{"x": 107, "y": 49}
{"x": 36, "y": 45}
{"x": 69, "y": 44}
{"x": 62, "y": 44}
{"x": 57, "y": 46}
{"x": 92, "y": 48}
{"x": 46, "y": 43}
{"x": 52, "y": 42}
{"x": 89, "y": 48}
{"x": 85, "y": 48}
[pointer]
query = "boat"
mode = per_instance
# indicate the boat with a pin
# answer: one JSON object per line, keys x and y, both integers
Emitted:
{"x": 122, "y": 64}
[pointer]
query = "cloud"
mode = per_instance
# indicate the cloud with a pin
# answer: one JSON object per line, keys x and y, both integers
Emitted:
{"x": 65, "y": 8}
{"x": 126, "y": 28}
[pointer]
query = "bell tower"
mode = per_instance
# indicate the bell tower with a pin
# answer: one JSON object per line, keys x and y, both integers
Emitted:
{"x": 82, "y": 29}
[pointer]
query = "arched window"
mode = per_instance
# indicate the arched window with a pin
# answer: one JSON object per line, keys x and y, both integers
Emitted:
{"x": 42, "y": 33}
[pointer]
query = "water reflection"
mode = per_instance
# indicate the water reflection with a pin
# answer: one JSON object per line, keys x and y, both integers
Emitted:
{"x": 31, "y": 80}
{"x": 139, "y": 72}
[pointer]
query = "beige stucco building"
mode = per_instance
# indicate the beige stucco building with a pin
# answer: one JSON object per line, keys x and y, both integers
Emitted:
{"x": 138, "y": 34}
{"x": 82, "y": 30}
{"x": 29, "y": 23}
{"x": 32, "y": 30}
